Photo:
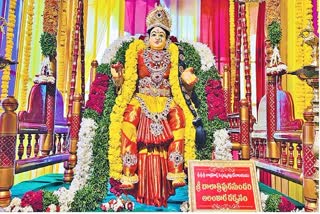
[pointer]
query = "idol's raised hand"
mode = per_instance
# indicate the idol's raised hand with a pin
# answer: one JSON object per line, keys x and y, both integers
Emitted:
{"x": 189, "y": 79}
{"x": 117, "y": 75}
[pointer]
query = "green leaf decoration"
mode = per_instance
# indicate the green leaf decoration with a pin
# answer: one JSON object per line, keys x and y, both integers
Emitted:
{"x": 48, "y": 44}
{"x": 272, "y": 203}
{"x": 274, "y": 33}
{"x": 48, "y": 199}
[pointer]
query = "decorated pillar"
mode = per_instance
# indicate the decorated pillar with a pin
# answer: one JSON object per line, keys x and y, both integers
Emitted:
{"x": 8, "y": 137}
{"x": 77, "y": 37}
{"x": 273, "y": 148}
{"x": 74, "y": 137}
{"x": 274, "y": 69}
{"x": 48, "y": 42}
{"x": 244, "y": 129}
{"x": 226, "y": 88}
{"x": 310, "y": 176}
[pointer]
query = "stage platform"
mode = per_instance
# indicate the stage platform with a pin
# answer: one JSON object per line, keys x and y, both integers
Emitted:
{"x": 53, "y": 182}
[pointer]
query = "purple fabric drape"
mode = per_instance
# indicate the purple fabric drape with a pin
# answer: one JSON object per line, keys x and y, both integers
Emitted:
{"x": 136, "y": 12}
{"x": 315, "y": 17}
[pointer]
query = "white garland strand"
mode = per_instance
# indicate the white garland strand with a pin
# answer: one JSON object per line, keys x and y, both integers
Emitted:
{"x": 276, "y": 65}
{"x": 15, "y": 206}
{"x": 207, "y": 58}
{"x": 82, "y": 169}
{"x": 222, "y": 145}
{"x": 111, "y": 51}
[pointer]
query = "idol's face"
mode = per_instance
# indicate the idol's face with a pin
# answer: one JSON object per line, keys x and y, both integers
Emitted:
{"x": 157, "y": 38}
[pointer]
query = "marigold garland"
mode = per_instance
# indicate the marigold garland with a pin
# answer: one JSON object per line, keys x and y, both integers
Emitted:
{"x": 9, "y": 46}
{"x": 128, "y": 88}
{"x": 50, "y": 16}
{"x": 189, "y": 153}
{"x": 273, "y": 11}
{"x": 116, "y": 117}
{"x": 307, "y": 20}
{"x": 26, "y": 55}
{"x": 62, "y": 36}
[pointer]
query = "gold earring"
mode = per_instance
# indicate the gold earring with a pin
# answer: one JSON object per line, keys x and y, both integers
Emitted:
{"x": 168, "y": 43}
{"x": 146, "y": 41}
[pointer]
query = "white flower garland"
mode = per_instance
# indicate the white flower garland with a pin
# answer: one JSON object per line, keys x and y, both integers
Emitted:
{"x": 184, "y": 207}
{"x": 45, "y": 75}
{"x": 276, "y": 66}
{"x": 15, "y": 206}
{"x": 44, "y": 79}
{"x": 207, "y": 58}
{"x": 52, "y": 208}
{"x": 82, "y": 169}
{"x": 264, "y": 198}
{"x": 111, "y": 51}
{"x": 222, "y": 145}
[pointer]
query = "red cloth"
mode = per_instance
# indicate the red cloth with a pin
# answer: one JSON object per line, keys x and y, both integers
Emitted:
{"x": 215, "y": 29}
{"x": 260, "y": 53}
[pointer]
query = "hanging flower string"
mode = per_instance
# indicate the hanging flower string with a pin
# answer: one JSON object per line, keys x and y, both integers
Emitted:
{"x": 26, "y": 55}
{"x": 116, "y": 118}
{"x": 9, "y": 46}
{"x": 62, "y": 61}
{"x": 189, "y": 153}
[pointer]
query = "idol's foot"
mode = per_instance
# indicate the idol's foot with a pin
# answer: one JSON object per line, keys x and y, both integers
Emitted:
{"x": 127, "y": 182}
{"x": 126, "y": 186}
{"x": 179, "y": 182}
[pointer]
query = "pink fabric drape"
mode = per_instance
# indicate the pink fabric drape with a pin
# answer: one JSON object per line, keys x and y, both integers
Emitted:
{"x": 260, "y": 53}
{"x": 215, "y": 29}
{"x": 315, "y": 16}
{"x": 136, "y": 12}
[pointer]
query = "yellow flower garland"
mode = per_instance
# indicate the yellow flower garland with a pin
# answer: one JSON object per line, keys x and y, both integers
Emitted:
{"x": 189, "y": 149}
{"x": 62, "y": 36}
{"x": 116, "y": 117}
{"x": 128, "y": 88}
{"x": 307, "y": 50}
{"x": 26, "y": 55}
{"x": 9, "y": 46}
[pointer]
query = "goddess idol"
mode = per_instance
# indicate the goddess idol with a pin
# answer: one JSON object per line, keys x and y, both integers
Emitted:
{"x": 158, "y": 118}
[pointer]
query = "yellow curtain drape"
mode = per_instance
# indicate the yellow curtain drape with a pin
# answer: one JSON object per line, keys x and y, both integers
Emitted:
{"x": 294, "y": 17}
{"x": 108, "y": 17}
{"x": 297, "y": 55}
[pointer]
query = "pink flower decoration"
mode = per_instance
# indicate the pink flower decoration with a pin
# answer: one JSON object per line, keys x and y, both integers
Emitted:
{"x": 285, "y": 205}
{"x": 33, "y": 199}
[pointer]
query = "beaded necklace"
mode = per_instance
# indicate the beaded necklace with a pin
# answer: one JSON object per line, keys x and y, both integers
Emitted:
{"x": 157, "y": 62}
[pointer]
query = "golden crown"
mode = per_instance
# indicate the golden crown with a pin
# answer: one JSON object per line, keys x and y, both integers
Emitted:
{"x": 159, "y": 17}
